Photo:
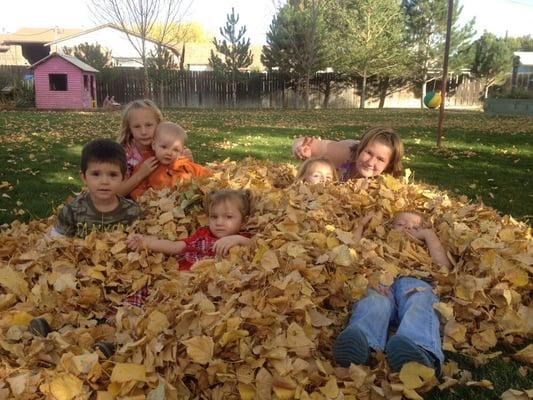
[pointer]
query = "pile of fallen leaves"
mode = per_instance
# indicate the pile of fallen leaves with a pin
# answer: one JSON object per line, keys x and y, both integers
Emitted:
{"x": 259, "y": 323}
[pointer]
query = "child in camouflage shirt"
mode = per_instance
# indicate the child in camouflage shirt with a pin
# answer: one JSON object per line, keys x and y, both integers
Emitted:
{"x": 103, "y": 167}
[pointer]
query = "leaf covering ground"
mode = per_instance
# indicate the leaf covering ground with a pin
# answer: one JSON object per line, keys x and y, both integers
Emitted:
{"x": 261, "y": 322}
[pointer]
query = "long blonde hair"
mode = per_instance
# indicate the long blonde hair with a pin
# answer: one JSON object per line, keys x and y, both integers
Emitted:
{"x": 125, "y": 133}
{"x": 386, "y": 136}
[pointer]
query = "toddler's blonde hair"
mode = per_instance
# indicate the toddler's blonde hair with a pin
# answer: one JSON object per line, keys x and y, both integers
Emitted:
{"x": 303, "y": 169}
{"x": 241, "y": 198}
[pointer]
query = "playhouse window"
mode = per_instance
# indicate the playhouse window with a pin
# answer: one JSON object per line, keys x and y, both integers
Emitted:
{"x": 85, "y": 82}
{"x": 58, "y": 82}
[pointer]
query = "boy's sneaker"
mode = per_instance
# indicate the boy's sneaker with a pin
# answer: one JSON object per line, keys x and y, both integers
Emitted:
{"x": 401, "y": 350}
{"x": 351, "y": 347}
{"x": 107, "y": 349}
{"x": 39, "y": 327}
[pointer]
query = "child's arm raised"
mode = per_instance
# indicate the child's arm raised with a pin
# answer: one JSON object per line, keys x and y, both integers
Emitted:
{"x": 145, "y": 169}
{"x": 170, "y": 247}
{"x": 338, "y": 152}
{"x": 223, "y": 245}
{"x": 433, "y": 243}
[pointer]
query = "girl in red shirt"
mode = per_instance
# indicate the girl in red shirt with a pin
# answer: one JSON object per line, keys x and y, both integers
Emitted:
{"x": 228, "y": 210}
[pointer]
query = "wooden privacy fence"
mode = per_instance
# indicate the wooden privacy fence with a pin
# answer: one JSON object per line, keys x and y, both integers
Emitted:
{"x": 173, "y": 88}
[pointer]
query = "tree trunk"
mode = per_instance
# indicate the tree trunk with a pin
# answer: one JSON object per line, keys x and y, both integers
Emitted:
{"x": 327, "y": 94}
{"x": 306, "y": 91}
{"x": 383, "y": 87}
{"x": 363, "y": 92}
{"x": 423, "y": 93}
{"x": 233, "y": 90}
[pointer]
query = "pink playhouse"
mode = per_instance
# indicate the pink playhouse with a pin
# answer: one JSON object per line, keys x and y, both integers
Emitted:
{"x": 63, "y": 81}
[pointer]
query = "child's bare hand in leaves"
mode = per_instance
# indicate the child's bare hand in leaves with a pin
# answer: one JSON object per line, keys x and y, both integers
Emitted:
{"x": 381, "y": 289}
{"x": 138, "y": 242}
{"x": 148, "y": 166}
{"x": 302, "y": 148}
{"x": 223, "y": 245}
{"x": 419, "y": 235}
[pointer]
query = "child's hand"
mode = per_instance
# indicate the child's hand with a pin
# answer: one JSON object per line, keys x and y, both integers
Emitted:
{"x": 419, "y": 235}
{"x": 187, "y": 153}
{"x": 148, "y": 166}
{"x": 138, "y": 242}
{"x": 381, "y": 289}
{"x": 223, "y": 245}
{"x": 302, "y": 147}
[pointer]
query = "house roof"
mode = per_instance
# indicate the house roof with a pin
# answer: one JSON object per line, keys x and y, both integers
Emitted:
{"x": 37, "y": 35}
{"x": 526, "y": 57}
{"x": 96, "y": 28}
{"x": 73, "y": 60}
{"x": 11, "y": 55}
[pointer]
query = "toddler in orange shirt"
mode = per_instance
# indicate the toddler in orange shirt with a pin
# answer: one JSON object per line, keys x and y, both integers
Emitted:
{"x": 168, "y": 145}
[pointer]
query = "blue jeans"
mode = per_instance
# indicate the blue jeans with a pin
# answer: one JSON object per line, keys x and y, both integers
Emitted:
{"x": 410, "y": 310}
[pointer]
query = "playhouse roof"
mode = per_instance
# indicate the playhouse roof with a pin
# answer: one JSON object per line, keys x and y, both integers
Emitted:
{"x": 73, "y": 60}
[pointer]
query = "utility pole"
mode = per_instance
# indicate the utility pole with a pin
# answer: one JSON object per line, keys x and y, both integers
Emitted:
{"x": 445, "y": 72}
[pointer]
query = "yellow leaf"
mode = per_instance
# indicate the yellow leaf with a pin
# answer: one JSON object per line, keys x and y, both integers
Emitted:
{"x": 391, "y": 182}
{"x": 65, "y": 281}
{"x": 318, "y": 239}
{"x": 525, "y": 355}
{"x": 414, "y": 375}
{"x": 518, "y": 277}
{"x": 21, "y": 318}
{"x": 200, "y": 349}
{"x": 444, "y": 309}
{"x": 18, "y": 383}
{"x": 507, "y": 235}
{"x": 247, "y": 392}
{"x": 296, "y": 336}
{"x": 126, "y": 372}
{"x": 455, "y": 330}
{"x": 343, "y": 255}
{"x": 513, "y": 394}
{"x": 332, "y": 242}
{"x": 330, "y": 389}
{"x": 269, "y": 260}
{"x": 101, "y": 395}
{"x": 484, "y": 340}
{"x": 283, "y": 393}
{"x": 65, "y": 387}
{"x": 119, "y": 247}
{"x": 157, "y": 323}
{"x": 14, "y": 282}
{"x": 165, "y": 217}
{"x": 229, "y": 337}
{"x": 295, "y": 250}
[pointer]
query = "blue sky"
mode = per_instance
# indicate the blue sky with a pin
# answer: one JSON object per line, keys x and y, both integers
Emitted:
{"x": 497, "y": 16}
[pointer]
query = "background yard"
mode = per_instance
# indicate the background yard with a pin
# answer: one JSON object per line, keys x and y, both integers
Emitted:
{"x": 489, "y": 158}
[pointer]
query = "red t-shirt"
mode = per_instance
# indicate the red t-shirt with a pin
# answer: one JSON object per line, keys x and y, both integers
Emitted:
{"x": 199, "y": 246}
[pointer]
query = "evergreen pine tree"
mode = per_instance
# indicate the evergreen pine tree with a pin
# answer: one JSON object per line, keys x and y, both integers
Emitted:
{"x": 236, "y": 52}
{"x": 296, "y": 41}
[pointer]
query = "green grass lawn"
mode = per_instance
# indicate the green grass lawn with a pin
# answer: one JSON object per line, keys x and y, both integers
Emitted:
{"x": 490, "y": 158}
{"x": 486, "y": 158}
